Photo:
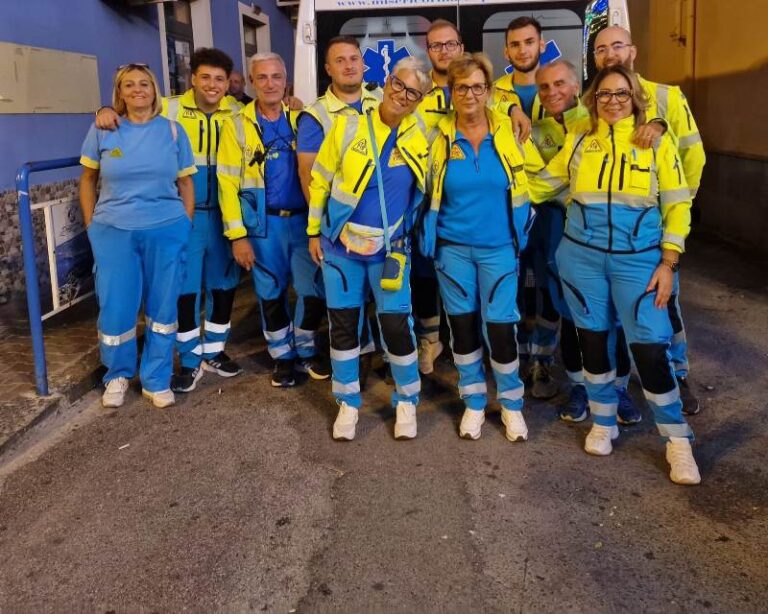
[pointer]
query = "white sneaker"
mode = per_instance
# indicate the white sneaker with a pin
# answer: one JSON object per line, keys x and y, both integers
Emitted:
{"x": 428, "y": 353}
{"x": 683, "y": 465}
{"x": 344, "y": 427}
{"x": 114, "y": 393}
{"x": 471, "y": 423}
{"x": 161, "y": 399}
{"x": 598, "y": 440}
{"x": 516, "y": 428}
{"x": 405, "y": 423}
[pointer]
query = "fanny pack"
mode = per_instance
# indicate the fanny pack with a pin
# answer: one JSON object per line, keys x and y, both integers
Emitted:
{"x": 393, "y": 272}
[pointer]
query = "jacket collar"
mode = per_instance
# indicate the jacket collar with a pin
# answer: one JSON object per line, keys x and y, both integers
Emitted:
{"x": 447, "y": 124}
{"x": 226, "y": 104}
{"x": 335, "y": 104}
{"x": 622, "y": 128}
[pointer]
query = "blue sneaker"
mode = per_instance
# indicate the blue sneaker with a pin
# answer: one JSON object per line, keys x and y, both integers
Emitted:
{"x": 577, "y": 407}
{"x": 628, "y": 412}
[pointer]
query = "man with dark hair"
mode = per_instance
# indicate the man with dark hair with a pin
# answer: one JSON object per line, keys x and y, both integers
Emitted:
{"x": 237, "y": 87}
{"x": 201, "y": 111}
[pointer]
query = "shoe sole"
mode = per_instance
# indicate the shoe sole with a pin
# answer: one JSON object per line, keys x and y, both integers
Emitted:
{"x": 112, "y": 405}
{"x": 516, "y": 438}
{"x": 570, "y": 419}
{"x": 469, "y": 436}
{"x": 290, "y": 384}
{"x": 692, "y": 412}
{"x": 313, "y": 374}
{"x": 594, "y": 452}
{"x": 212, "y": 369}
{"x": 194, "y": 383}
{"x": 686, "y": 482}
{"x": 148, "y": 396}
{"x": 624, "y": 422}
{"x": 340, "y": 437}
{"x": 400, "y": 436}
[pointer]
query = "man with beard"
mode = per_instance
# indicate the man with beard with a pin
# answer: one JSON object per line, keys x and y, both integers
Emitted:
{"x": 523, "y": 48}
{"x": 669, "y": 107}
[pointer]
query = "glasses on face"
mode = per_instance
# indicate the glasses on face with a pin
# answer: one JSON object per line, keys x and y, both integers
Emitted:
{"x": 133, "y": 65}
{"x": 410, "y": 93}
{"x": 604, "y": 96}
{"x": 477, "y": 89}
{"x": 448, "y": 45}
{"x": 615, "y": 47}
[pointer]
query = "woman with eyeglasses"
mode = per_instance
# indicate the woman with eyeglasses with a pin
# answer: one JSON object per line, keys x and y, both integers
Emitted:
{"x": 475, "y": 228}
{"x": 367, "y": 181}
{"x": 626, "y": 225}
{"x": 138, "y": 226}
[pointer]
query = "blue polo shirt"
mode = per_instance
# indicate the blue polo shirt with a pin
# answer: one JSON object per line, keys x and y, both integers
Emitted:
{"x": 139, "y": 165}
{"x": 399, "y": 186}
{"x": 475, "y": 206}
{"x": 310, "y": 133}
{"x": 282, "y": 187}
{"x": 527, "y": 95}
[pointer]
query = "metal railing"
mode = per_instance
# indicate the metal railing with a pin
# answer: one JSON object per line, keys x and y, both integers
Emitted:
{"x": 30, "y": 268}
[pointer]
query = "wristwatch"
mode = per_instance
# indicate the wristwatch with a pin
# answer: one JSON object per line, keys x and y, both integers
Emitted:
{"x": 674, "y": 265}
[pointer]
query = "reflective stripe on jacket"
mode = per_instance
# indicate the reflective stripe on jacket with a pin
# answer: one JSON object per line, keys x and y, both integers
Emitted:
{"x": 204, "y": 135}
{"x": 622, "y": 199}
{"x": 345, "y": 164}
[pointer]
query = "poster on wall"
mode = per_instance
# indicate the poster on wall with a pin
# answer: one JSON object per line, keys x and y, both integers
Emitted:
{"x": 70, "y": 261}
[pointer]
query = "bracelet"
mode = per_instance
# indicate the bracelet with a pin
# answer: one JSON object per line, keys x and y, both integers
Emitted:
{"x": 674, "y": 265}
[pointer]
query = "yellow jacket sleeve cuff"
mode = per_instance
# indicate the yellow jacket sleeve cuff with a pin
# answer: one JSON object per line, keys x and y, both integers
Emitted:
{"x": 90, "y": 163}
{"x": 186, "y": 172}
{"x": 672, "y": 247}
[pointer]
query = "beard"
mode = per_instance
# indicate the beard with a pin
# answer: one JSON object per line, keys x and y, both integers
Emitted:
{"x": 526, "y": 68}
{"x": 440, "y": 71}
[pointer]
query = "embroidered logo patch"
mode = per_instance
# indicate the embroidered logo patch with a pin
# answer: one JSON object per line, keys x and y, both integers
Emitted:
{"x": 549, "y": 143}
{"x": 456, "y": 153}
{"x": 188, "y": 114}
{"x": 361, "y": 147}
{"x": 396, "y": 158}
{"x": 116, "y": 153}
{"x": 594, "y": 147}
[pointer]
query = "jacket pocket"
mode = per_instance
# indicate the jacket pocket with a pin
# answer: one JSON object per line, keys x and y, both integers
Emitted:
{"x": 254, "y": 213}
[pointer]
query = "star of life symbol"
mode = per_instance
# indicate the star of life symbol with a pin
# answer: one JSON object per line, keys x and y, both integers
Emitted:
{"x": 379, "y": 62}
{"x": 551, "y": 52}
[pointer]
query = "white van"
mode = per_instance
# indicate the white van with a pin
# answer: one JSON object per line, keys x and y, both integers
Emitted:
{"x": 390, "y": 29}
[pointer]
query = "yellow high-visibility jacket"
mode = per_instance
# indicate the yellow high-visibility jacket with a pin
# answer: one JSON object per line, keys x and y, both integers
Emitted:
{"x": 518, "y": 161}
{"x": 345, "y": 164}
{"x": 240, "y": 172}
{"x": 328, "y": 106}
{"x": 668, "y": 103}
{"x": 204, "y": 135}
{"x": 622, "y": 199}
{"x": 504, "y": 92}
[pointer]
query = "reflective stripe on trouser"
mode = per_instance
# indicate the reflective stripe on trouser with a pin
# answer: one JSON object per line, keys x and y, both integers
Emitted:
{"x": 209, "y": 268}
{"x": 678, "y": 350}
{"x": 347, "y": 285}
{"x": 131, "y": 264}
{"x": 594, "y": 283}
{"x": 425, "y": 298}
{"x": 282, "y": 259}
{"x": 482, "y": 281}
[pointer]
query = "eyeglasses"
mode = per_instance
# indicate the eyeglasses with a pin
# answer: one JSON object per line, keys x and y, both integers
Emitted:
{"x": 604, "y": 96}
{"x": 448, "y": 45}
{"x": 616, "y": 47}
{"x": 133, "y": 65}
{"x": 477, "y": 89}
{"x": 410, "y": 93}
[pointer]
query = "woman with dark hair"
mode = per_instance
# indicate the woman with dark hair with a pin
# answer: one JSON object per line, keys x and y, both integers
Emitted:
{"x": 138, "y": 228}
{"x": 626, "y": 225}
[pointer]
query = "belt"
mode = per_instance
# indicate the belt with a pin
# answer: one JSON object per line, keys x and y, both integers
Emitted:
{"x": 286, "y": 212}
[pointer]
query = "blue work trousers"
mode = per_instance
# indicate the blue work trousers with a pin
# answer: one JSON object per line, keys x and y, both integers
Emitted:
{"x": 597, "y": 287}
{"x": 348, "y": 284}
{"x": 135, "y": 266}
{"x": 478, "y": 286}
{"x": 211, "y": 271}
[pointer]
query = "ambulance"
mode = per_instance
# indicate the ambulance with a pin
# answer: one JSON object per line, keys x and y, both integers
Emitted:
{"x": 389, "y": 30}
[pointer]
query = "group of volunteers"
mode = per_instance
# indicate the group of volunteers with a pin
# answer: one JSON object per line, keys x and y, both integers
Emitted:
{"x": 491, "y": 200}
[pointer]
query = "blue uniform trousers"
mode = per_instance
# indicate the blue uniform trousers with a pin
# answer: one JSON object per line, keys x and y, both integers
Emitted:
{"x": 282, "y": 259}
{"x": 426, "y": 297}
{"x": 597, "y": 287}
{"x": 348, "y": 283}
{"x": 678, "y": 350}
{"x": 210, "y": 268}
{"x": 478, "y": 285}
{"x": 135, "y": 266}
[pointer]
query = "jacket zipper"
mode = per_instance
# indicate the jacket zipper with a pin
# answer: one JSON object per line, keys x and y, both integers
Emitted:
{"x": 208, "y": 159}
{"x": 363, "y": 174}
{"x": 610, "y": 190}
{"x": 621, "y": 172}
{"x": 639, "y": 221}
{"x": 602, "y": 172}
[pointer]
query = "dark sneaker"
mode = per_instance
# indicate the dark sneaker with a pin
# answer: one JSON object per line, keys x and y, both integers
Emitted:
{"x": 222, "y": 365}
{"x": 365, "y": 368}
{"x": 691, "y": 405}
{"x": 282, "y": 376}
{"x": 317, "y": 367}
{"x": 628, "y": 413}
{"x": 577, "y": 407}
{"x": 543, "y": 386}
{"x": 187, "y": 379}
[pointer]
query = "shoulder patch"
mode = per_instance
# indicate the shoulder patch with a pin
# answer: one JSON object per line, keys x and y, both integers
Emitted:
{"x": 593, "y": 147}
{"x": 396, "y": 158}
{"x": 456, "y": 153}
{"x": 116, "y": 153}
{"x": 361, "y": 147}
{"x": 188, "y": 114}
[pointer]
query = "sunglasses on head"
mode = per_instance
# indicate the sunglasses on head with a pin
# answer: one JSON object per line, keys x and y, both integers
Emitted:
{"x": 133, "y": 65}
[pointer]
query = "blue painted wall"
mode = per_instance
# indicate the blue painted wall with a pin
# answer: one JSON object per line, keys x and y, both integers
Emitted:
{"x": 116, "y": 34}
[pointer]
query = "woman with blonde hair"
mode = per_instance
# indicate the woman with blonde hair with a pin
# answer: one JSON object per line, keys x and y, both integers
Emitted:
{"x": 475, "y": 228}
{"x": 138, "y": 227}
{"x": 626, "y": 225}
